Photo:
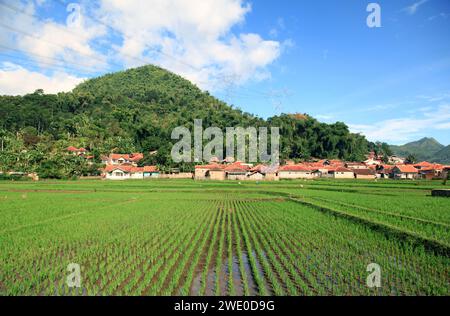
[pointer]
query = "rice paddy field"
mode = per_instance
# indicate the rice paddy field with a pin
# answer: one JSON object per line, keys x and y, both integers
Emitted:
{"x": 179, "y": 237}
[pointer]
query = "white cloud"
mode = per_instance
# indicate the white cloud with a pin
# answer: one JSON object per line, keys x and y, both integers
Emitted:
{"x": 50, "y": 43}
{"x": 435, "y": 98}
{"x": 324, "y": 117}
{"x": 200, "y": 40}
{"x": 443, "y": 126}
{"x": 193, "y": 38}
{"x": 16, "y": 80}
{"x": 405, "y": 129}
{"x": 412, "y": 9}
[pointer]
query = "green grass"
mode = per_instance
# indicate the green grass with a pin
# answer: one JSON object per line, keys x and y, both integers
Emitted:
{"x": 168, "y": 237}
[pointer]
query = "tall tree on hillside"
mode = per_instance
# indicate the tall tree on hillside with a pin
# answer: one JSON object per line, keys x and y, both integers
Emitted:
{"x": 3, "y": 134}
{"x": 410, "y": 159}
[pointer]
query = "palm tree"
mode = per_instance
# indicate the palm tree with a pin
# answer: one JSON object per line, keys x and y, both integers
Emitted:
{"x": 3, "y": 134}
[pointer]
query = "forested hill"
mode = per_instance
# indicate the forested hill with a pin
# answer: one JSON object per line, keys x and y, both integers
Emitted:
{"x": 136, "y": 110}
{"x": 423, "y": 149}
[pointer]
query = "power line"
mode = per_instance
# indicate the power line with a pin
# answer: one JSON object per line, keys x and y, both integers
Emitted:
{"x": 47, "y": 57}
{"x": 69, "y": 32}
{"x": 48, "y": 64}
{"x": 47, "y": 41}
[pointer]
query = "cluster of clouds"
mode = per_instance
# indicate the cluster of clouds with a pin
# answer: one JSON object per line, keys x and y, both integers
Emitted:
{"x": 197, "y": 39}
{"x": 433, "y": 117}
{"x": 412, "y": 9}
{"x": 16, "y": 80}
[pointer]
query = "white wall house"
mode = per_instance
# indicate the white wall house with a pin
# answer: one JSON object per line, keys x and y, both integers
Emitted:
{"x": 117, "y": 173}
{"x": 126, "y": 172}
{"x": 296, "y": 172}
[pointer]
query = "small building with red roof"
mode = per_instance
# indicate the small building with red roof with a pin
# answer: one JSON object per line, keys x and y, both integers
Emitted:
{"x": 355, "y": 165}
{"x": 298, "y": 171}
{"x": 423, "y": 164}
{"x": 120, "y": 159}
{"x": 125, "y": 172}
{"x": 77, "y": 151}
{"x": 340, "y": 173}
{"x": 405, "y": 172}
{"x": 384, "y": 171}
{"x": 364, "y": 174}
{"x": 204, "y": 172}
{"x": 433, "y": 171}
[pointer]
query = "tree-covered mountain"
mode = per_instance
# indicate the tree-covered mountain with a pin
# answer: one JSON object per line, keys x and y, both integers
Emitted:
{"x": 423, "y": 149}
{"x": 442, "y": 156}
{"x": 136, "y": 111}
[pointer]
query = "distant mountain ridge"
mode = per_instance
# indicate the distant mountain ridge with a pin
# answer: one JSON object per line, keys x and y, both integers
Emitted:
{"x": 426, "y": 148}
{"x": 442, "y": 156}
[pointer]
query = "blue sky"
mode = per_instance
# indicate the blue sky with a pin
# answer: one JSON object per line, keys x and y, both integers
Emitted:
{"x": 266, "y": 57}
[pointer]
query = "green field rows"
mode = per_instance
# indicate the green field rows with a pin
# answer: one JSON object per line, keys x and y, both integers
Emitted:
{"x": 189, "y": 238}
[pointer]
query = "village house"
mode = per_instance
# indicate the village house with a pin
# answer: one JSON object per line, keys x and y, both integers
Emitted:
{"x": 384, "y": 171}
{"x": 372, "y": 162}
{"x": 331, "y": 162}
{"x": 236, "y": 171}
{"x": 121, "y": 159}
{"x": 81, "y": 152}
{"x": 296, "y": 172}
{"x": 341, "y": 173}
{"x": 77, "y": 151}
{"x": 216, "y": 174}
{"x": 219, "y": 172}
{"x": 355, "y": 165}
{"x": 209, "y": 172}
{"x": 404, "y": 172}
{"x": 364, "y": 174}
{"x": 125, "y": 172}
{"x": 255, "y": 176}
{"x": 396, "y": 160}
{"x": 431, "y": 172}
{"x": 124, "y": 166}
{"x": 423, "y": 164}
{"x": 151, "y": 172}
{"x": 263, "y": 172}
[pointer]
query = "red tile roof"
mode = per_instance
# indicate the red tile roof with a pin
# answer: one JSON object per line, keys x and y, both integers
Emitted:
{"x": 435, "y": 167}
{"x": 131, "y": 157}
{"x": 364, "y": 172}
{"x": 122, "y": 168}
{"x": 210, "y": 166}
{"x": 71, "y": 148}
{"x": 386, "y": 169}
{"x": 342, "y": 169}
{"x": 406, "y": 169}
{"x": 236, "y": 167}
{"x": 355, "y": 164}
{"x": 150, "y": 169}
{"x": 423, "y": 164}
{"x": 258, "y": 168}
{"x": 295, "y": 168}
{"x": 131, "y": 169}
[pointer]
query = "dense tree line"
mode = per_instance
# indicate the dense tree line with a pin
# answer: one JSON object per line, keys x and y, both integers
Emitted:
{"x": 135, "y": 111}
